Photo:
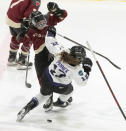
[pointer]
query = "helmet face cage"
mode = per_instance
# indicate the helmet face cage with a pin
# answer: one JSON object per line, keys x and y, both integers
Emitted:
{"x": 39, "y": 24}
{"x": 36, "y": 18}
{"x": 78, "y": 52}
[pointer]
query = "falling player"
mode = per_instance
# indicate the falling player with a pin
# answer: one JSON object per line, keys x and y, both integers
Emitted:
{"x": 58, "y": 76}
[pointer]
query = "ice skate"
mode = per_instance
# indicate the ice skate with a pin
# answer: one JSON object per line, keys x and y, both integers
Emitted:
{"x": 12, "y": 59}
{"x": 22, "y": 113}
{"x": 60, "y": 103}
{"x": 31, "y": 105}
{"x": 22, "y": 63}
{"x": 48, "y": 106}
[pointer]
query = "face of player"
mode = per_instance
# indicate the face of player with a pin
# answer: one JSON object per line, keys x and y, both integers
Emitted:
{"x": 41, "y": 24}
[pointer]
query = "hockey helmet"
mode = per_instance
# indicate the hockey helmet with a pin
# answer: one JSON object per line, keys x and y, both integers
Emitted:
{"x": 38, "y": 19}
{"x": 78, "y": 52}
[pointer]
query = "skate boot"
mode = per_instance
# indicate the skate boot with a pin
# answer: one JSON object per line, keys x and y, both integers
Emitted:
{"x": 22, "y": 62}
{"x": 49, "y": 104}
{"x": 12, "y": 59}
{"x": 31, "y": 105}
{"x": 63, "y": 104}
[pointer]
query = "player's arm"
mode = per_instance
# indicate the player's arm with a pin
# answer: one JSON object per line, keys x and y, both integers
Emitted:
{"x": 32, "y": 5}
{"x": 53, "y": 45}
{"x": 82, "y": 73}
{"x": 54, "y": 9}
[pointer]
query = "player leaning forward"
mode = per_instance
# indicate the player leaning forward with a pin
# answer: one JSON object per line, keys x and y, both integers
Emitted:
{"x": 39, "y": 26}
{"x": 17, "y": 20}
{"x": 67, "y": 65}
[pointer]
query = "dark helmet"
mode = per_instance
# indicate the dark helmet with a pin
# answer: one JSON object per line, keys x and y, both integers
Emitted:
{"x": 78, "y": 52}
{"x": 37, "y": 16}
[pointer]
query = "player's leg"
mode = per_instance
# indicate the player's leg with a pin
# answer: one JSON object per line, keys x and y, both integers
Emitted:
{"x": 23, "y": 60}
{"x": 14, "y": 46}
{"x": 34, "y": 102}
{"x": 65, "y": 97}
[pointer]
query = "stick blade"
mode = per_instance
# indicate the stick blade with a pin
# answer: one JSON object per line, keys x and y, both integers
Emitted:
{"x": 28, "y": 85}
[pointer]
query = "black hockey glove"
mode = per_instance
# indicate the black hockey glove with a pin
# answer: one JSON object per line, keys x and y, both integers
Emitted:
{"x": 54, "y": 9}
{"x": 50, "y": 57}
{"x": 52, "y": 31}
{"x": 24, "y": 29}
{"x": 25, "y": 25}
{"x": 87, "y": 65}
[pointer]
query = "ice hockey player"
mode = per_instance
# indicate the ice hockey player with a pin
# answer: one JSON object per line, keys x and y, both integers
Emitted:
{"x": 17, "y": 20}
{"x": 66, "y": 66}
{"x": 40, "y": 25}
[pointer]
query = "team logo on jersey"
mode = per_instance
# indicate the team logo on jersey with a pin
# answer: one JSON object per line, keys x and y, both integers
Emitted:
{"x": 80, "y": 73}
{"x": 38, "y": 35}
{"x": 54, "y": 43}
{"x": 36, "y": 2}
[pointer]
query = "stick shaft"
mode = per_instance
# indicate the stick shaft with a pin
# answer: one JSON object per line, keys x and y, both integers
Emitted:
{"x": 27, "y": 70}
{"x": 26, "y": 83}
{"x": 89, "y": 50}
{"x": 106, "y": 81}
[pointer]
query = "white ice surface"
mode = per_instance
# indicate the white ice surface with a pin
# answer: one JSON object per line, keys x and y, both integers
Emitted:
{"x": 103, "y": 24}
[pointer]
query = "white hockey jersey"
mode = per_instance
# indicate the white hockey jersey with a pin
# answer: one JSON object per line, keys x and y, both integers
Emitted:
{"x": 60, "y": 72}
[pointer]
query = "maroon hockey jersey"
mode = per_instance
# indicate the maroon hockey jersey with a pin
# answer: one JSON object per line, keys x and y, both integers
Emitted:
{"x": 37, "y": 37}
{"x": 20, "y": 9}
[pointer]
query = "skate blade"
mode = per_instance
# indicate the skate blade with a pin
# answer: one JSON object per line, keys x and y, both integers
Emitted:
{"x": 19, "y": 118}
{"x": 23, "y": 67}
{"x": 21, "y": 115}
{"x": 12, "y": 63}
{"x": 48, "y": 109}
{"x": 62, "y": 105}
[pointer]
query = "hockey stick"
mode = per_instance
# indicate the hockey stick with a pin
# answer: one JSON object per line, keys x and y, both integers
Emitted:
{"x": 89, "y": 50}
{"x": 26, "y": 83}
{"x": 106, "y": 80}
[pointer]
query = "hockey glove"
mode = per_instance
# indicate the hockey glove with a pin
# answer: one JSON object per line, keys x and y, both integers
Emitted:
{"x": 25, "y": 25}
{"x": 54, "y": 9}
{"x": 87, "y": 65}
{"x": 20, "y": 35}
{"x": 24, "y": 29}
{"x": 52, "y": 31}
{"x": 50, "y": 57}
